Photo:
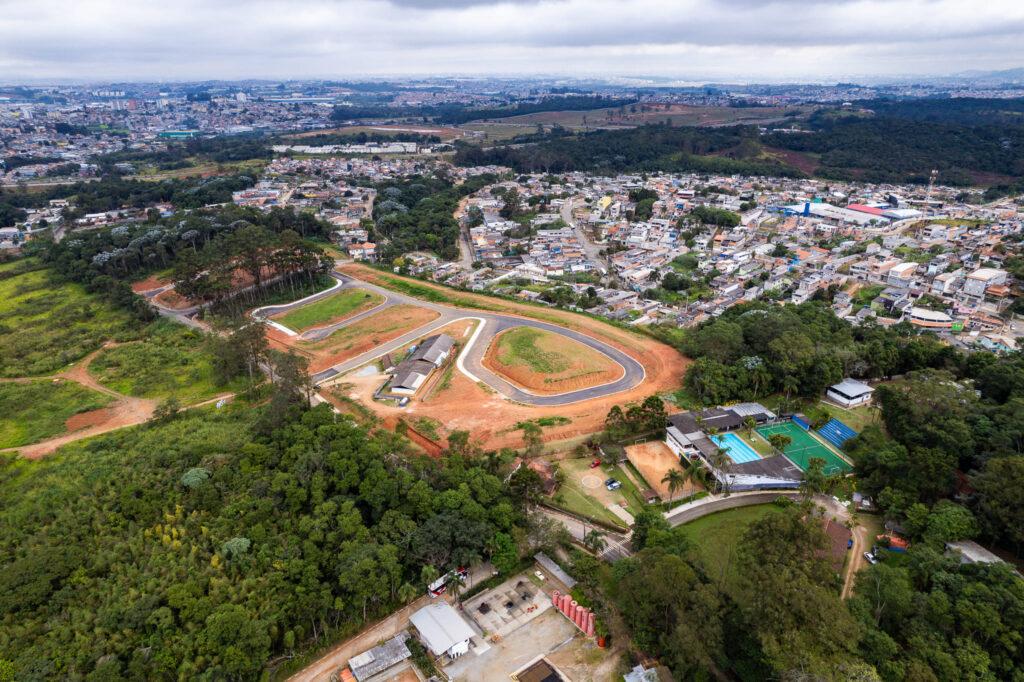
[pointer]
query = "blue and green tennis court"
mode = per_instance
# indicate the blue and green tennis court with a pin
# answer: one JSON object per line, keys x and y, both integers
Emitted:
{"x": 803, "y": 446}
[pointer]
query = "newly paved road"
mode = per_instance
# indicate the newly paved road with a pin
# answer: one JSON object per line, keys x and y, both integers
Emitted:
{"x": 471, "y": 360}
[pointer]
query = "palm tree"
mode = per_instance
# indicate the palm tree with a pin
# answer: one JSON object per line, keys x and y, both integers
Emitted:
{"x": 594, "y": 541}
{"x": 721, "y": 461}
{"x": 779, "y": 441}
{"x": 695, "y": 473}
{"x": 407, "y": 592}
{"x": 748, "y": 426}
{"x": 676, "y": 480}
{"x": 456, "y": 587}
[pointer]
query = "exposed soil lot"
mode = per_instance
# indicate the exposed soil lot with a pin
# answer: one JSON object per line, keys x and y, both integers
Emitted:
{"x": 653, "y": 460}
{"x": 329, "y": 310}
{"x": 489, "y": 417}
{"x": 546, "y": 363}
{"x": 362, "y": 336}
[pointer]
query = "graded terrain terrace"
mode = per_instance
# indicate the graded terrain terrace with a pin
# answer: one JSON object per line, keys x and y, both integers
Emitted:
{"x": 544, "y": 362}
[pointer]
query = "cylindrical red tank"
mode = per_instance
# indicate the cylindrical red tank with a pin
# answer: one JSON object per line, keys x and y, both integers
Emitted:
{"x": 590, "y": 624}
{"x": 556, "y": 598}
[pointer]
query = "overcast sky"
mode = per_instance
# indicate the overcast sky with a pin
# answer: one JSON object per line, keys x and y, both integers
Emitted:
{"x": 738, "y": 40}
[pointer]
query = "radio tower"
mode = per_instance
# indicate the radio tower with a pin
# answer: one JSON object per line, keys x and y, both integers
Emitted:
{"x": 931, "y": 183}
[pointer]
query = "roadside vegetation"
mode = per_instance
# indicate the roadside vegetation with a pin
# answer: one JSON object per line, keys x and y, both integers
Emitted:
{"x": 47, "y": 323}
{"x": 32, "y": 411}
{"x": 169, "y": 361}
{"x": 333, "y": 308}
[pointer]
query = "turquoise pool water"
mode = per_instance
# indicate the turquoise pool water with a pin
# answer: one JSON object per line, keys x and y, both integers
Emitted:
{"x": 737, "y": 450}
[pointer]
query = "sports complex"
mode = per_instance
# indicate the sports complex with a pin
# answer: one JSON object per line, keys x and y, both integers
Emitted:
{"x": 734, "y": 444}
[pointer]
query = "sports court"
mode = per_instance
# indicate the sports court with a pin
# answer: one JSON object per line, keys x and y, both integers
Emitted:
{"x": 734, "y": 446}
{"x": 804, "y": 446}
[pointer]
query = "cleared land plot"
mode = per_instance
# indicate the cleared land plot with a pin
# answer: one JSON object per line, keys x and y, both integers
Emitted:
{"x": 366, "y": 334}
{"x": 334, "y": 308}
{"x": 46, "y": 324}
{"x": 715, "y": 538}
{"x": 654, "y": 460}
{"x": 803, "y": 447}
{"x": 32, "y": 411}
{"x": 547, "y": 363}
{"x": 169, "y": 362}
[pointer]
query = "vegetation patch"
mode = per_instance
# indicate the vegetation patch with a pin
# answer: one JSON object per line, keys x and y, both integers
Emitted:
{"x": 366, "y": 334}
{"x": 545, "y": 362}
{"x": 46, "y": 323}
{"x": 32, "y": 411}
{"x": 331, "y": 309}
{"x": 170, "y": 362}
{"x": 715, "y": 538}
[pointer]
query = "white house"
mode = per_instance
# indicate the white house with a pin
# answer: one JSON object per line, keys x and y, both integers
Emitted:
{"x": 442, "y": 630}
{"x": 850, "y": 393}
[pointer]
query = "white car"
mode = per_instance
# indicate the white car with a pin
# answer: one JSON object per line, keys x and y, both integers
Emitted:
{"x": 872, "y": 559}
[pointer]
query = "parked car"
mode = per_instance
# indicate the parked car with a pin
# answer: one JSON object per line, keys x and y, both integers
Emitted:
{"x": 612, "y": 484}
{"x": 872, "y": 559}
{"x": 596, "y": 463}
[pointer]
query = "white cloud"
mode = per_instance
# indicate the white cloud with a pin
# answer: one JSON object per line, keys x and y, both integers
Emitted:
{"x": 735, "y": 39}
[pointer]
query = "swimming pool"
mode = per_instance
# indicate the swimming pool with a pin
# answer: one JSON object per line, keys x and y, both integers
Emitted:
{"x": 737, "y": 450}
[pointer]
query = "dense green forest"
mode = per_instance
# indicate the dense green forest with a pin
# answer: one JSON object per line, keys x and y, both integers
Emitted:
{"x": 756, "y": 349}
{"x": 969, "y": 141}
{"x": 112, "y": 193}
{"x": 461, "y": 113}
{"x": 648, "y": 148}
{"x": 205, "y": 546}
{"x": 898, "y": 148}
{"x": 920, "y": 616}
{"x": 415, "y": 214}
{"x": 221, "y": 149}
{"x": 204, "y": 249}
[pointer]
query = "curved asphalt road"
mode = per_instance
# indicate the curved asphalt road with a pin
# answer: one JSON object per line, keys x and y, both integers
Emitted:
{"x": 471, "y": 362}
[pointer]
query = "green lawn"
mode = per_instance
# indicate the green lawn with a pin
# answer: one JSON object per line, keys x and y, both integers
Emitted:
{"x": 715, "y": 538}
{"x": 335, "y": 307}
{"x": 573, "y": 497}
{"x": 521, "y": 346}
{"x": 36, "y": 410}
{"x": 169, "y": 362}
{"x": 857, "y": 419}
{"x": 47, "y": 324}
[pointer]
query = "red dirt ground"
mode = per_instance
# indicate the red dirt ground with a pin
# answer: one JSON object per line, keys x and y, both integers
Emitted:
{"x": 653, "y": 460}
{"x": 490, "y": 418}
{"x": 173, "y": 300}
{"x": 360, "y": 337}
{"x": 588, "y": 367}
{"x": 149, "y": 284}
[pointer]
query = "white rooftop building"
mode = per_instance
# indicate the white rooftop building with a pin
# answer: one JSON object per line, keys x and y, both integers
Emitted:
{"x": 443, "y": 630}
{"x": 850, "y": 393}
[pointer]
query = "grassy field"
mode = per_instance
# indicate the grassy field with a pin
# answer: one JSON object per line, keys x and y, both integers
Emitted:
{"x": 857, "y": 419}
{"x": 169, "y": 362}
{"x": 333, "y": 308}
{"x": 574, "y": 497}
{"x": 45, "y": 324}
{"x": 36, "y": 410}
{"x": 534, "y": 348}
{"x": 716, "y": 536}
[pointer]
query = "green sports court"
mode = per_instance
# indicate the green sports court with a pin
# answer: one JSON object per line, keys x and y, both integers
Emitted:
{"x": 804, "y": 446}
